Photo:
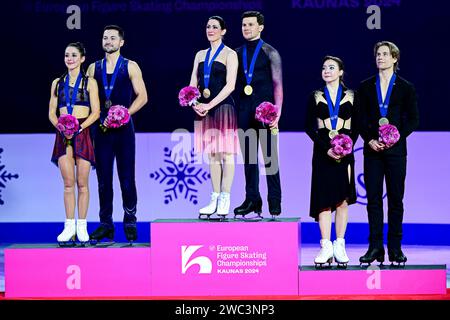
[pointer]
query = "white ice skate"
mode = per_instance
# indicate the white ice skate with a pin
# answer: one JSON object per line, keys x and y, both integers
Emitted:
{"x": 223, "y": 206}
{"x": 340, "y": 255}
{"x": 67, "y": 236}
{"x": 206, "y": 212}
{"x": 325, "y": 255}
{"x": 82, "y": 234}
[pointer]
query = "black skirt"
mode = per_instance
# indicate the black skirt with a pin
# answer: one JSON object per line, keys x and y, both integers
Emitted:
{"x": 331, "y": 183}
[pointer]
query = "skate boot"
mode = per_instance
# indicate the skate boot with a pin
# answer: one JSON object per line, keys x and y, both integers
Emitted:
{"x": 397, "y": 256}
{"x": 371, "y": 255}
{"x": 67, "y": 237}
{"x": 325, "y": 255}
{"x": 206, "y": 212}
{"x": 130, "y": 232}
{"x": 82, "y": 233}
{"x": 339, "y": 253}
{"x": 223, "y": 205}
{"x": 247, "y": 207}
{"x": 102, "y": 232}
{"x": 274, "y": 208}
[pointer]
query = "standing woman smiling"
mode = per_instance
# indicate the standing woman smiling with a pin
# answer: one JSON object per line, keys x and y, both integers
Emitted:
{"x": 215, "y": 127}
{"x": 76, "y": 94}
{"x": 331, "y": 111}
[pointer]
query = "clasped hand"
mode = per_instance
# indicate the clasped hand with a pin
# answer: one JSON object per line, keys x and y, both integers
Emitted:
{"x": 202, "y": 109}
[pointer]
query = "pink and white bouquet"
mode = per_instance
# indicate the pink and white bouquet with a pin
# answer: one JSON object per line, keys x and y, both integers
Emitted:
{"x": 388, "y": 134}
{"x": 267, "y": 112}
{"x": 341, "y": 145}
{"x": 188, "y": 96}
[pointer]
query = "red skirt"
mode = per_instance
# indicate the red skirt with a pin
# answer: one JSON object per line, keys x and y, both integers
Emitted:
{"x": 81, "y": 144}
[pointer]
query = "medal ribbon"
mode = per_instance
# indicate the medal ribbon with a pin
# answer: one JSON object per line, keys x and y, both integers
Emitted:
{"x": 208, "y": 65}
{"x": 70, "y": 102}
{"x": 333, "y": 109}
{"x": 385, "y": 104}
{"x": 249, "y": 73}
{"x": 110, "y": 87}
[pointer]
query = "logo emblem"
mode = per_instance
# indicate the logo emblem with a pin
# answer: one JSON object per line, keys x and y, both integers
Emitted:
{"x": 203, "y": 262}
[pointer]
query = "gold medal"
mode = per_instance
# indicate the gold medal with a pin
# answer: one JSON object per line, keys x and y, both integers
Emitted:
{"x": 248, "y": 90}
{"x": 383, "y": 121}
{"x": 206, "y": 93}
{"x": 333, "y": 133}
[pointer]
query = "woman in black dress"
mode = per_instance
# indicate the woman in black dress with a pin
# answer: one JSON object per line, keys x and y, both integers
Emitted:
{"x": 215, "y": 127}
{"x": 330, "y": 111}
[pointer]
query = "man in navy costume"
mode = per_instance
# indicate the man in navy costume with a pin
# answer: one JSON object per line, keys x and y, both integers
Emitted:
{"x": 386, "y": 99}
{"x": 259, "y": 80}
{"x": 118, "y": 79}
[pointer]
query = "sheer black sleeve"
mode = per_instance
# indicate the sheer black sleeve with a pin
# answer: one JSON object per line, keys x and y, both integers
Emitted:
{"x": 311, "y": 124}
{"x": 277, "y": 74}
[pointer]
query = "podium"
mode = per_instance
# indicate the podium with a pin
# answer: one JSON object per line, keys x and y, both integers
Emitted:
{"x": 197, "y": 258}
{"x": 373, "y": 280}
{"x": 39, "y": 271}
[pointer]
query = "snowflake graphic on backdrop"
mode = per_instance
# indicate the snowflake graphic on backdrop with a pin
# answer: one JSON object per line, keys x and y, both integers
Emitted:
{"x": 4, "y": 177}
{"x": 180, "y": 176}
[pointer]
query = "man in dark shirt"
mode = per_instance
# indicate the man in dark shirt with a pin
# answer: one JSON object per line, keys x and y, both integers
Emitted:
{"x": 386, "y": 99}
{"x": 259, "y": 80}
{"x": 118, "y": 79}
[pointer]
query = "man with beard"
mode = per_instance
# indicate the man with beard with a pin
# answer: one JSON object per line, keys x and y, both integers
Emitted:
{"x": 118, "y": 77}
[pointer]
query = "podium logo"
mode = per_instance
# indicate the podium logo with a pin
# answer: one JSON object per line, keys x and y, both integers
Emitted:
{"x": 374, "y": 280}
{"x": 73, "y": 282}
{"x": 204, "y": 263}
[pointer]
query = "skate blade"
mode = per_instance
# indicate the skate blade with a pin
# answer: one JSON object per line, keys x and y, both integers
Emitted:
{"x": 128, "y": 245}
{"x": 322, "y": 266}
{"x": 217, "y": 219}
{"x": 397, "y": 265}
{"x": 204, "y": 216}
{"x": 342, "y": 265}
{"x": 101, "y": 244}
{"x": 222, "y": 217}
{"x": 248, "y": 217}
{"x": 68, "y": 244}
{"x": 83, "y": 244}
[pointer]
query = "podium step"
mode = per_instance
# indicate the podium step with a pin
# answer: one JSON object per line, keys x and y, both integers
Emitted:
{"x": 373, "y": 280}
{"x": 199, "y": 258}
{"x": 50, "y": 271}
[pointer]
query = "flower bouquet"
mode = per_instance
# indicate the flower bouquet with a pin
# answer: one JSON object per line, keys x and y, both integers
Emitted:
{"x": 341, "y": 145}
{"x": 117, "y": 116}
{"x": 188, "y": 96}
{"x": 388, "y": 134}
{"x": 67, "y": 125}
{"x": 266, "y": 113}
